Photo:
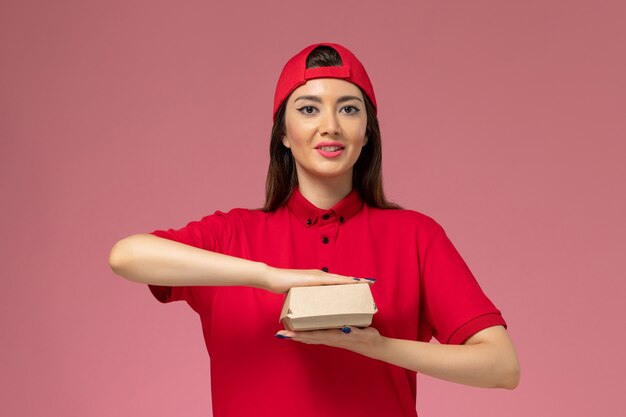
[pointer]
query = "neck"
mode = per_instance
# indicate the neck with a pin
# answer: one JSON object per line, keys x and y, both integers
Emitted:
{"x": 324, "y": 192}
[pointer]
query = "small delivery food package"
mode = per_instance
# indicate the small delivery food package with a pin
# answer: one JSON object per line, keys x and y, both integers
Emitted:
{"x": 328, "y": 307}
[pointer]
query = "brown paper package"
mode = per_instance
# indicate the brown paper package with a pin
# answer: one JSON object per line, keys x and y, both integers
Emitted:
{"x": 328, "y": 307}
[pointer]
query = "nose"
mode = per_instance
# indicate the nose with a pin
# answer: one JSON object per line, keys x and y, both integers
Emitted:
{"x": 329, "y": 124}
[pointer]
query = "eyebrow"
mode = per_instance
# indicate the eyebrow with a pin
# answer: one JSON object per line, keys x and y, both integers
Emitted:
{"x": 319, "y": 100}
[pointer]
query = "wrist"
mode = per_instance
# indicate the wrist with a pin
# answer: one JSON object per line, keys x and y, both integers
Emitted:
{"x": 262, "y": 278}
{"x": 374, "y": 347}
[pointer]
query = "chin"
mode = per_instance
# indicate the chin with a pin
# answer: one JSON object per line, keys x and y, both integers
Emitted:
{"x": 324, "y": 173}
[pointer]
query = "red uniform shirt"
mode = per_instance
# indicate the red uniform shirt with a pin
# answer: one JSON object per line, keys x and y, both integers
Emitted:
{"x": 423, "y": 289}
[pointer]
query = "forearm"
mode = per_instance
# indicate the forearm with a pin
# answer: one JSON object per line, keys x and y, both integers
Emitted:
{"x": 487, "y": 365}
{"x": 149, "y": 259}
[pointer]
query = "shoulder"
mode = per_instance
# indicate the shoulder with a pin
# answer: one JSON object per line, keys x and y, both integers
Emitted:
{"x": 404, "y": 218}
{"x": 235, "y": 216}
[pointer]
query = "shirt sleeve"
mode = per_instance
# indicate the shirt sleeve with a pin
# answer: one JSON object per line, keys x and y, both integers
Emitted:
{"x": 454, "y": 305}
{"x": 210, "y": 233}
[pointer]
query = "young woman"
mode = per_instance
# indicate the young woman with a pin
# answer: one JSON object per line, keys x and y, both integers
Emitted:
{"x": 325, "y": 221}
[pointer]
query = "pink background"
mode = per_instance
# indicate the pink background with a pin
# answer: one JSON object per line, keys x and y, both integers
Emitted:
{"x": 503, "y": 120}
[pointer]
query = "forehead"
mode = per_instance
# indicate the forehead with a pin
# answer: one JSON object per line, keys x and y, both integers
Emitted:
{"x": 326, "y": 88}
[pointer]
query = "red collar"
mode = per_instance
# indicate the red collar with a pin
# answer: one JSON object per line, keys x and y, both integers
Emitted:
{"x": 308, "y": 214}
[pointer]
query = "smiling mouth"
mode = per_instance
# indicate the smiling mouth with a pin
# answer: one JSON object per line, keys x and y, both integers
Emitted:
{"x": 330, "y": 148}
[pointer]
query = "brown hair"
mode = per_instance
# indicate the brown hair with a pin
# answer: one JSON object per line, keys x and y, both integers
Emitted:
{"x": 367, "y": 171}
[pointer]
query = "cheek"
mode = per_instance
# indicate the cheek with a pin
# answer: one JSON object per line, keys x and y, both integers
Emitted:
{"x": 295, "y": 135}
{"x": 286, "y": 142}
{"x": 357, "y": 128}
{"x": 290, "y": 137}
{"x": 358, "y": 134}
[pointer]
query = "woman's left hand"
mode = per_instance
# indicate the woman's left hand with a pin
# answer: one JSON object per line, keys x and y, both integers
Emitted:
{"x": 351, "y": 338}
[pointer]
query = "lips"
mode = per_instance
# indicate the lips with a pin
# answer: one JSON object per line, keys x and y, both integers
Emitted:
{"x": 330, "y": 146}
{"x": 330, "y": 149}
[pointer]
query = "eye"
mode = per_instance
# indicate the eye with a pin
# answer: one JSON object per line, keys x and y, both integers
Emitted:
{"x": 307, "y": 109}
{"x": 350, "y": 109}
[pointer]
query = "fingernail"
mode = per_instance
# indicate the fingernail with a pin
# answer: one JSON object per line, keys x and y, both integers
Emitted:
{"x": 357, "y": 279}
{"x": 371, "y": 279}
{"x": 346, "y": 329}
{"x": 282, "y": 336}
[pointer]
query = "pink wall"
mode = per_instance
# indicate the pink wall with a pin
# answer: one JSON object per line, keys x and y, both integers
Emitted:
{"x": 502, "y": 120}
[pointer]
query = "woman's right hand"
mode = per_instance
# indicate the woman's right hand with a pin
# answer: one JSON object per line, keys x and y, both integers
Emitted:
{"x": 153, "y": 260}
{"x": 279, "y": 280}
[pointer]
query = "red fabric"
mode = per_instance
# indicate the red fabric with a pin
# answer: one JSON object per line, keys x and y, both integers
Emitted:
{"x": 295, "y": 73}
{"x": 423, "y": 289}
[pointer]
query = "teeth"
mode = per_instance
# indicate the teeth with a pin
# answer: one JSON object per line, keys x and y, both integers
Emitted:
{"x": 330, "y": 148}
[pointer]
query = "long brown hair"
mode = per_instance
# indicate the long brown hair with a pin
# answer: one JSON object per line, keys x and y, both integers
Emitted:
{"x": 367, "y": 171}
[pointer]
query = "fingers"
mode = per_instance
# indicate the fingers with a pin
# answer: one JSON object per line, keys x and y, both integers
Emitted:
{"x": 326, "y": 336}
{"x": 370, "y": 281}
{"x": 333, "y": 279}
{"x": 332, "y": 337}
{"x": 281, "y": 280}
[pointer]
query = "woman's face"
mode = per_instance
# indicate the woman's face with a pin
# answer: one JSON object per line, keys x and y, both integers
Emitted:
{"x": 325, "y": 121}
